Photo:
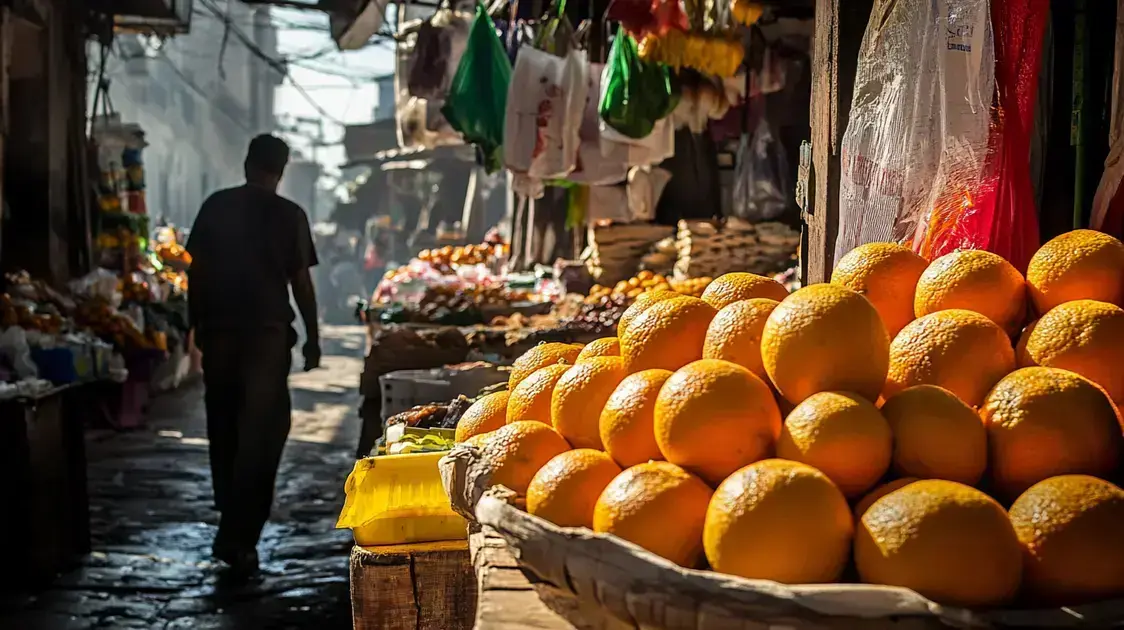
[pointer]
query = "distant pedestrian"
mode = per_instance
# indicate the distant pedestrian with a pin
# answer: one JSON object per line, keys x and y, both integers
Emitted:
{"x": 248, "y": 246}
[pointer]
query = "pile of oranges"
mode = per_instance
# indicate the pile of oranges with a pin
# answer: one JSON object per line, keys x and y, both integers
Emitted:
{"x": 949, "y": 427}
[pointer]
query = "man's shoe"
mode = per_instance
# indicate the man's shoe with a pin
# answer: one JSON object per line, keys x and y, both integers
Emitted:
{"x": 240, "y": 561}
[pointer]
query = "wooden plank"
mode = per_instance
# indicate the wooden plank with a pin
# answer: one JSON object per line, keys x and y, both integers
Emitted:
{"x": 507, "y": 599}
{"x": 839, "y": 31}
{"x": 427, "y": 586}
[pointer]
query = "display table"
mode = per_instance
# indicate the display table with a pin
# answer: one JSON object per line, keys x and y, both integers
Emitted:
{"x": 507, "y": 599}
{"x": 43, "y": 464}
{"x": 423, "y": 586}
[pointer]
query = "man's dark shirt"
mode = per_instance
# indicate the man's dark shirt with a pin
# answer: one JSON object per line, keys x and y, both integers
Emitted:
{"x": 247, "y": 245}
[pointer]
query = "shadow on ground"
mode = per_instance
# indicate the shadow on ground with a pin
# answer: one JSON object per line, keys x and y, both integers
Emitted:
{"x": 152, "y": 521}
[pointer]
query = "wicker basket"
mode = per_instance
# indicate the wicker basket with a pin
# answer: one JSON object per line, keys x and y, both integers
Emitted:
{"x": 616, "y": 584}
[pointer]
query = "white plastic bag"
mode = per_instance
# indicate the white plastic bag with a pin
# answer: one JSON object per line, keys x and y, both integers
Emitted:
{"x": 419, "y": 122}
{"x": 544, "y": 112}
{"x": 16, "y": 350}
{"x": 919, "y": 117}
{"x": 653, "y": 149}
{"x": 593, "y": 167}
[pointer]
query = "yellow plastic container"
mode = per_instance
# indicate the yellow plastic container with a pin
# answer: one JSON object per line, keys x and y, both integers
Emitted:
{"x": 398, "y": 499}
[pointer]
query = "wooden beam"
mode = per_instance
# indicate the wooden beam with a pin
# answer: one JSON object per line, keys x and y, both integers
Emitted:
{"x": 840, "y": 25}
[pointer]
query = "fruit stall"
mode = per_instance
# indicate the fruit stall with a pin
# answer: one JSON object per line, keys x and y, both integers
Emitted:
{"x": 923, "y": 431}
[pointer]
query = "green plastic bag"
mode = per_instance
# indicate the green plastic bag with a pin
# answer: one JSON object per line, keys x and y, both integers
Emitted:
{"x": 477, "y": 99}
{"x": 636, "y": 93}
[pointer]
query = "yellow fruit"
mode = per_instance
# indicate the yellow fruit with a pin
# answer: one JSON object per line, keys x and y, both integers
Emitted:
{"x": 764, "y": 511}
{"x": 735, "y": 334}
{"x": 530, "y": 400}
{"x": 1043, "y": 422}
{"x": 864, "y": 503}
{"x": 667, "y": 335}
{"x": 658, "y": 506}
{"x": 605, "y": 347}
{"x": 539, "y": 357}
{"x": 841, "y": 434}
{"x": 738, "y": 286}
{"x": 977, "y": 281}
{"x": 1073, "y": 546}
{"x": 886, "y": 274}
{"x": 580, "y": 395}
{"x": 825, "y": 338}
{"x": 961, "y": 351}
{"x": 627, "y": 421}
{"x": 517, "y": 451}
{"x": 713, "y": 417}
{"x": 643, "y": 301}
{"x": 565, "y": 490}
{"x": 936, "y": 435}
{"x": 485, "y": 415}
{"x": 947, "y": 541}
{"x": 1078, "y": 265}
{"x": 1083, "y": 336}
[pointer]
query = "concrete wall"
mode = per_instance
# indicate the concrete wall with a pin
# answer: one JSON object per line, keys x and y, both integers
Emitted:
{"x": 198, "y": 116}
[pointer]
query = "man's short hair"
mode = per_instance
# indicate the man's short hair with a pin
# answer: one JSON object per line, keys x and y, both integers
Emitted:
{"x": 268, "y": 154}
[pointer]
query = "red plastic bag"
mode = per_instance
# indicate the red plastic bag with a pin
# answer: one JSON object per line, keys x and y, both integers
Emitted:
{"x": 1000, "y": 216}
{"x": 640, "y": 17}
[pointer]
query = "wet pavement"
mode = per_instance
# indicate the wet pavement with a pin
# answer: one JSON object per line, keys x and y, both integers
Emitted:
{"x": 152, "y": 520}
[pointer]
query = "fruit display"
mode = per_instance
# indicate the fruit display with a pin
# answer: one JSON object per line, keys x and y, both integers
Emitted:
{"x": 447, "y": 259}
{"x": 801, "y": 438}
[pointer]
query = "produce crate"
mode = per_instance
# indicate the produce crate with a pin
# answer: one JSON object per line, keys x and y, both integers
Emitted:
{"x": 404, "y": 389}
{"x": 427, "y": 586}
{"x": 599, "y": 581}
{"x": 398, "y": 499}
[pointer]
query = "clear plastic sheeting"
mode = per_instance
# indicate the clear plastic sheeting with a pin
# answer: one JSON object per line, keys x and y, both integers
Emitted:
{"x": 917, "y": 139}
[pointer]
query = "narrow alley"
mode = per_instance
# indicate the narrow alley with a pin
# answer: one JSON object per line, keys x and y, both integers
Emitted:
{"x": 153, "y": 521}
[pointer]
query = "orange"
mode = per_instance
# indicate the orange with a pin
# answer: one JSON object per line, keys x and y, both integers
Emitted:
{"x": 936, "y": 435}
{"x": 487, "y": 414}
{"x": 480, "y": 440}
{"x": 886, "y": 274}
{"x": 580, "y": 395}
{"x": 841, "y": 434}
{"x": 517, "y": 451}
{"x": 1083, "y": 336}
{"x": 735, "y": 334}
{"x": 947, "y": 541}
{"x": 825, "y": 338}
{"x": 530, "y": 400}
{"x": 735, "y": 287}
{"x": 667, "y": 335}
{"x": 658, "y": 506}
{"x": 973, "y": 280}
{"x": 961, "y": 351}
{"x": 763, "y": 512}
{"x": 713, "y": 417}
{"x": 1078, "y": 265}
{"x": 539, "y": 357}
{"x": 605, "y": 347}
{"x": 1043, "y": 422}
{"x": 641, "y": 304}
{"x": 627, "y": 421}
{"x": 864, "y": 503}
{"x": 1073, "y": 547}
{"x": 565, "y": 490}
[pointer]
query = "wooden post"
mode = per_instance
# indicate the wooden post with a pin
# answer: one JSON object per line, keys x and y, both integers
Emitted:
{"x": 835, "y": 49}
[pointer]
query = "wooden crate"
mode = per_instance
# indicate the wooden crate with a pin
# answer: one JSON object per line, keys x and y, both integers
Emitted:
{"x": 424, "y": 586}
{"x": 507, "y": 599}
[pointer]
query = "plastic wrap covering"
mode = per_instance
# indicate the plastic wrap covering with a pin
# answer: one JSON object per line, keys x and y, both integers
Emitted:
{"x": 918, "y": 133}
{"x": 1003, "y": 218}
{"x": 1108, "y": 204}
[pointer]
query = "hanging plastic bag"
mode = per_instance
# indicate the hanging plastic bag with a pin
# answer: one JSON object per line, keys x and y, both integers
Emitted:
{"x": 634, "y": 93}
{"x": 419, "y": 122}
{"x": 653, "y": 149}
{"x": 592, "y": 166}
{"x": 544, "y": 112}
{"x": 478, "y": 95}
{"x": 648, "y": 16}
{"x": 438, "y": 45}
{"x": 1000, "y": 216}
{"x": 761, "y": 176}
{"x": 1108, "y": 204}
{"x": 918, "y": 130}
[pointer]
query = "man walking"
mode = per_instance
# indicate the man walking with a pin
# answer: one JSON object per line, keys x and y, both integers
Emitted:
{"x": 248, "y": 246}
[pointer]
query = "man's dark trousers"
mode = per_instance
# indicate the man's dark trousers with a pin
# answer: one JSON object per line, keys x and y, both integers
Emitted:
{"x": 246, "y": 372}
